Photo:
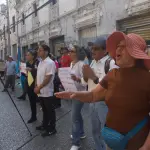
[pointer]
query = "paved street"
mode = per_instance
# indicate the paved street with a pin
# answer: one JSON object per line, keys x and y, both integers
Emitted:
{"x": 14, "y": 135}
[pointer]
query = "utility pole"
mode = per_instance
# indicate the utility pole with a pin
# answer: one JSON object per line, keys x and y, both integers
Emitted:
{"x": 8, "y": 29}
{"x": 18, "y": 38}
{"x": 5, "y": 50}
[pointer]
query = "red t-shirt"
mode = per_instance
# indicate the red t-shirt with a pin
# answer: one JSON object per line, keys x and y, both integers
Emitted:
{"x": 65, "y": 61}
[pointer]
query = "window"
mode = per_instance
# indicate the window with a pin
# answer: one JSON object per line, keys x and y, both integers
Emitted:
{"x": 13, "y": 22}
{"x": 23, "y": 19}
{"x": 4, "y": 32}
{"x": 54, "y": 2}
{"x": 35, "y": 9}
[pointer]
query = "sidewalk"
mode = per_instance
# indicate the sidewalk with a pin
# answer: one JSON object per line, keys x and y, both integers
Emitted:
{"x": 14, "y": 135}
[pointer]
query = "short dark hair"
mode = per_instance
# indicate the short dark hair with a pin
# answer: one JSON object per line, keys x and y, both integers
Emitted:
{"x": 80, "y": 52}
{"x": 33, "y": 53}
{"x": 45, "y": 47}
{"x": 36, "y": 49}
{"x": 65, "y": 48}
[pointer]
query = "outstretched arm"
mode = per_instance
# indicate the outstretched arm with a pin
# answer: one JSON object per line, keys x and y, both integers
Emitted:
{"x": 87, "y": 97}
{"x": 95, "y": 95}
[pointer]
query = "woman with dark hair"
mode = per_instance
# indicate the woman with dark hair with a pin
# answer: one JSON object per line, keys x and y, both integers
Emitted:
{"x": 77, "y": 56}
{"x": 31, "y": 65}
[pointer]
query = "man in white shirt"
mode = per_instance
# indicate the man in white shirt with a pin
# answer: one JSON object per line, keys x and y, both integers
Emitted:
{"x": 45, "y": 90}
{"x": 99, "y": 67}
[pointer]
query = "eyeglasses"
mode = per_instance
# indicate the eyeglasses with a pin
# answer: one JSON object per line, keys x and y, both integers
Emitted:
{"x": 40, "y": 50}
{"x": 72, "y": 51}
{"x": 95, "y": 48}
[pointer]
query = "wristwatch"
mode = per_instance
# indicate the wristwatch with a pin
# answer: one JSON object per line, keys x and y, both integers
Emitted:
{"x": 96, "y": 81}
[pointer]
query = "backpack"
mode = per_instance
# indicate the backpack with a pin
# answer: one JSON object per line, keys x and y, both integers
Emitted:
{"x": 107, "y": 65}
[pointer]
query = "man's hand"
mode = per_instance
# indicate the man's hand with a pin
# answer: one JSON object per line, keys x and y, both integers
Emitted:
{"x": 88, "y": 72}
{"x": 37, "y": 90}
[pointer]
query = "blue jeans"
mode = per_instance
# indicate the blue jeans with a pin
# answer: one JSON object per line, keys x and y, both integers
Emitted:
{"x": 77, "y": 122}
{"x": 98, "y": 118}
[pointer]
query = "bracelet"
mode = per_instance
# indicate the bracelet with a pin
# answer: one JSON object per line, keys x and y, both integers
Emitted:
{"x": 96, "y": 81}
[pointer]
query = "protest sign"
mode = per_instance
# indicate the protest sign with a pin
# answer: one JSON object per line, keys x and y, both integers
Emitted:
{"x": 65, "y": 78}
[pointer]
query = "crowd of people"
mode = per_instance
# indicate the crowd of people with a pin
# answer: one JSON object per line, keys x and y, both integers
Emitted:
{"x": 113, "y": 75}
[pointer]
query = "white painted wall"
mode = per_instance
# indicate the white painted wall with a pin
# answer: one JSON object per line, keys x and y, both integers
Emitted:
{"x": 136, "y": 2}
{"x": 2, "y": 41}
{"x": 3, "y": 22}
{"x": 111, "y": 11}
{"x": 13, "y": 35}
{"x": 26, "y": 8}
{"x": 66, "y": 6}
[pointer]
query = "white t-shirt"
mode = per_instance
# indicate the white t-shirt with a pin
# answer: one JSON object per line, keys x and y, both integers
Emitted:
{"x": 46, "y": 67}
{"x": 77, "y": 71}
{"x": 99, "y": 70}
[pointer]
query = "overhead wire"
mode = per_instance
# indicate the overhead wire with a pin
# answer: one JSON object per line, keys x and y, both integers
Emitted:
{"x": 39, "y": 8}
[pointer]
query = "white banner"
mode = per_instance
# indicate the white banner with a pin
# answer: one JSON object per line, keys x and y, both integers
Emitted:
{"x": 65, "y": 78}
{"x": 23, "y": 68}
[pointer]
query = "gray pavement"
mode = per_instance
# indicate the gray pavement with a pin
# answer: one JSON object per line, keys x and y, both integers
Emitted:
{"x": 14, "y": 135}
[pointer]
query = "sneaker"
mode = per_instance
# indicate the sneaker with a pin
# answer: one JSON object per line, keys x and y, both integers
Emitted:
{"x": 40, "y": 128}
{"x": 81, "y": 137}
{"x": 45, "y": 134}
{"x": 74, "y": 147}
{"x": 32, "y": 120}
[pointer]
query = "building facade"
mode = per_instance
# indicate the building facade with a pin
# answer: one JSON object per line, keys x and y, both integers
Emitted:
{"x": 3, "y": 24}
{"x": 60, "y": 23}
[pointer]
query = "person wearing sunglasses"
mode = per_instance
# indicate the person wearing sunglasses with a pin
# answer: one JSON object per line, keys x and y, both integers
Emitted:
{"x": 77, "y": 56}
{"x": 99, "y": 67}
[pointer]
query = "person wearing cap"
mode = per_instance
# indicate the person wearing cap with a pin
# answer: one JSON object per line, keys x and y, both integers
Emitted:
{"x": 65, "y": 60}
{"x": 11, "y": 69}
{"x": 127, "y": 94}
{"x": 45, "y": 90}
{"x": 99, "y": 67}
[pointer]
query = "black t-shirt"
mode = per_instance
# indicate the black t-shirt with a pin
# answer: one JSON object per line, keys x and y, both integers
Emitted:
{"x": 34, "y": 69}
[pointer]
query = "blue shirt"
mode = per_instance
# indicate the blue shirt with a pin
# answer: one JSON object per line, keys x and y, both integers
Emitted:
{"x": 11, "y": 68}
